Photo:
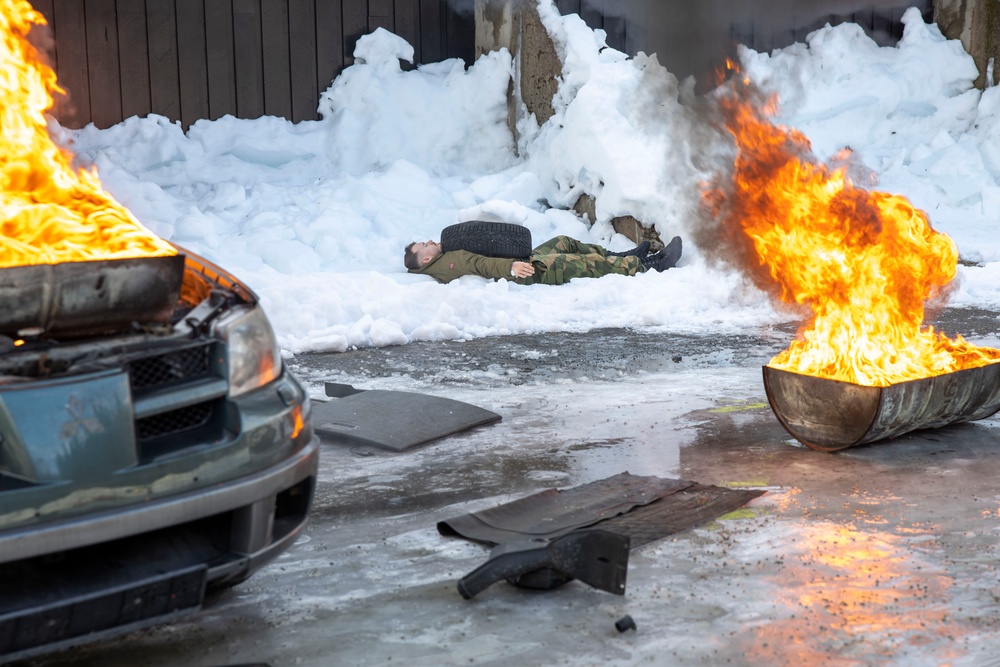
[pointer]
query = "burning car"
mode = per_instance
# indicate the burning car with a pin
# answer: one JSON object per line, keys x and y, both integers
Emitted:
{"x": 144, "y": 466}
{"x": 153, "y": 447}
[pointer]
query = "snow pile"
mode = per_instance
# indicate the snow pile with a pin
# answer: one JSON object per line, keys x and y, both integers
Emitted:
{"x": 315, "y": 215}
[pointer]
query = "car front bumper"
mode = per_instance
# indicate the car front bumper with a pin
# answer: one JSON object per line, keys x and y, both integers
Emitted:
{"x": 101, "y": 574}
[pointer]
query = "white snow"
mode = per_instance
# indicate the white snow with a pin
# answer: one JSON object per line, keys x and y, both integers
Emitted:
{"x": 314, "y": 215}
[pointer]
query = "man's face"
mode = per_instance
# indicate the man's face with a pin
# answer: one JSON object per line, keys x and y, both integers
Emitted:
{"x": 426, "y": 251}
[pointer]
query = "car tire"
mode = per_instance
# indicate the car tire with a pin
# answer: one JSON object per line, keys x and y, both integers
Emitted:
{"x": 492, "y": 239}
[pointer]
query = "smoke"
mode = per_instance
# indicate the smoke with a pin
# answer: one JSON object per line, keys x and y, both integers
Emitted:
{"x": 718, "y": 234}
{"x": 607, "y": 9}
{"x": 464, "y": 9}
{"x": 41, "y": 37}
{"x": 724, "y": 245}
{"x": 814, "y": 233}
{"x": 689, "y": 38}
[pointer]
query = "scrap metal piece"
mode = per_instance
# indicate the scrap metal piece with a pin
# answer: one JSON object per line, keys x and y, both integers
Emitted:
{"x": 644, "y": 508}
{"x": 340, "y": 390}
{"x": 554, "y": 512}
{"x": 625, "y": 623}
{"x": 394, "y": 420}
{"x": 634, "y": 510}
{"x": 596, "y": 557}
{"x": 830, "y": 415}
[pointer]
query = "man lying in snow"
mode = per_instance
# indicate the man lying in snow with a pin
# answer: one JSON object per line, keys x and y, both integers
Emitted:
{"x": 555, "y": 262}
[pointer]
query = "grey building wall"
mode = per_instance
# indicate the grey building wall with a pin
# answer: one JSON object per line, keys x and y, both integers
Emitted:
{"x": 695, "y": 38}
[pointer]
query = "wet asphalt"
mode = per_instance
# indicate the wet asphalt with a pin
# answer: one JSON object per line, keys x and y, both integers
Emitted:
{"x": 884, "y": 554}
{"x": 600, "y": 353}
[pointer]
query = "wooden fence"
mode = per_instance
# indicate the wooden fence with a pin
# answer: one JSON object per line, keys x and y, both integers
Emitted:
{"x": 193, "y": 59}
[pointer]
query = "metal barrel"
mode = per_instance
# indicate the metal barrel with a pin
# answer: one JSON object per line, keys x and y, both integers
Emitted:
{"x": 89, "y": 297}
{"x": 829, "y": 415}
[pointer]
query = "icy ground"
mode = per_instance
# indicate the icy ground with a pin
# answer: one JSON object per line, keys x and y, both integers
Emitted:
{"x": 879, "y": 555}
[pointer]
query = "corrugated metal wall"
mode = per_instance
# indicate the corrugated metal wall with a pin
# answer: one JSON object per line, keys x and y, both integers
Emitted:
{"x": 192, "y": 59}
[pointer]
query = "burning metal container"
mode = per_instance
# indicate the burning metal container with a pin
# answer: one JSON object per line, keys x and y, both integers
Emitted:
{"x": 829, "y": 415}
{"x": 91, "y": 296}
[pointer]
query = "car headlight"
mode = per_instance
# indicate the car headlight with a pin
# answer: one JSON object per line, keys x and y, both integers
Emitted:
{"x": 254, "y": 356}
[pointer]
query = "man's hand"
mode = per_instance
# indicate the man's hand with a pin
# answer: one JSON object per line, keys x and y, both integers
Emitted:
{"x": 522, "y": 269}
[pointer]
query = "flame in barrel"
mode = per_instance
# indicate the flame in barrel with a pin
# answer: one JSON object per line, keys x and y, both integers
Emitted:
{"x": 865, "y": 263}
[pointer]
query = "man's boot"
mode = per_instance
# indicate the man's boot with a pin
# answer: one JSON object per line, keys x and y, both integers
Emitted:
{"x": 666, "y": 258}
{"x": 639, "y": 251}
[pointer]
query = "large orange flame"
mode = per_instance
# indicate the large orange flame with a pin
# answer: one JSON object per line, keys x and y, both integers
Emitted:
{"x": 864, "y": 262}
{"x": 49, "y": 211}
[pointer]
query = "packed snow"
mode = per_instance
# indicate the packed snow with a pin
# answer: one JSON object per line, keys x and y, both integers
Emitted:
{"x": 314, "y": 215}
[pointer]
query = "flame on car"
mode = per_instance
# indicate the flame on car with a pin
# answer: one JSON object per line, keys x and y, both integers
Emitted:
{"x": 50, "y": 211}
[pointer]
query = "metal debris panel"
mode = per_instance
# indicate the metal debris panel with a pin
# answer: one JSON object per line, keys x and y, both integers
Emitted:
{"x": 395, "y": 420}
{"x": 643, "y": 508}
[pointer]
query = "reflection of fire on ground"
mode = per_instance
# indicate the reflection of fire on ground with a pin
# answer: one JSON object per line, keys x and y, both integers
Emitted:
{"x": 850, "y": 593}
{"x": 854, "y": 597}
{"x": 864, "y": 263}
{"x": 50, "y": 212}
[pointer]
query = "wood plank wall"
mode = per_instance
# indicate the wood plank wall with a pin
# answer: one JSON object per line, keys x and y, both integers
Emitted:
{"x": 192, "y": 59}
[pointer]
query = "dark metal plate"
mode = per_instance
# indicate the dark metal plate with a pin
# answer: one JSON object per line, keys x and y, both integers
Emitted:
{"x": 395, "y": 420}
{"x": 645, "y": 508}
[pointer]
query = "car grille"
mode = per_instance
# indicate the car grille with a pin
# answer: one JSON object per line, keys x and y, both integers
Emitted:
{"x": 178, "y": 397}
{"x": 174, "y": 421}
{"x": 170, "y": 368}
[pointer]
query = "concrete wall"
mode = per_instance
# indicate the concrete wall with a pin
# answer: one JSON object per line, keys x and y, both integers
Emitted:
{"x": 515, "y": 25}
{"x": 977, "y": 24}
